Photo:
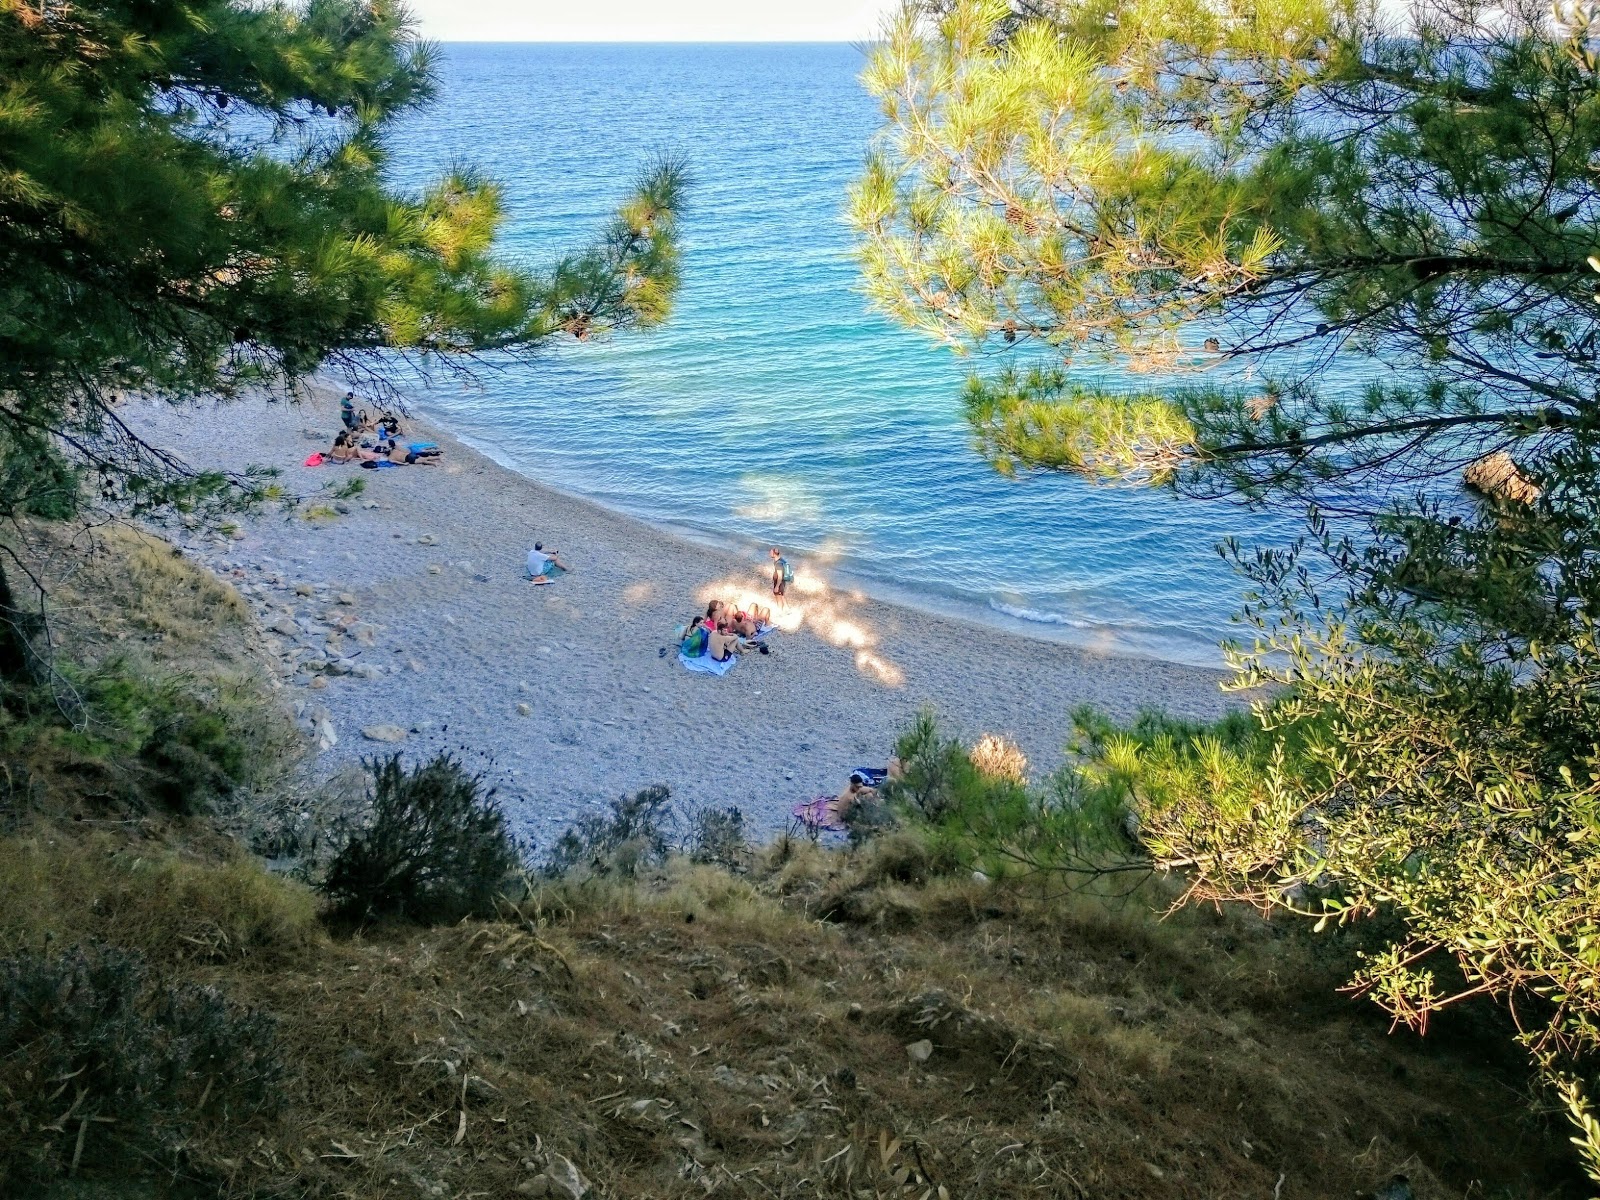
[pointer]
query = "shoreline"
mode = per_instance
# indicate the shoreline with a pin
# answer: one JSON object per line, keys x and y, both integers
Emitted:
{"x": 1099, "y": 637}
{"x": 403, "y": 610}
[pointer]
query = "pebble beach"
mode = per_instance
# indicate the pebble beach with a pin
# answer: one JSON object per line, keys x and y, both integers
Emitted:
{"x": 400, "y": 618}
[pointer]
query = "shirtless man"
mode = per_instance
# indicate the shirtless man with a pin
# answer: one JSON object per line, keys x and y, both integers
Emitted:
{"x": 722, "y": 644}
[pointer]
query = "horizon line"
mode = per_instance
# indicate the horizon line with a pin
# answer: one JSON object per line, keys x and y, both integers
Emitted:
{"x": 476, "y": 41}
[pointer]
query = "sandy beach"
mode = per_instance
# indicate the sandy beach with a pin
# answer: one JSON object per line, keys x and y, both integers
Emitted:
{"x": 404, "y": 612}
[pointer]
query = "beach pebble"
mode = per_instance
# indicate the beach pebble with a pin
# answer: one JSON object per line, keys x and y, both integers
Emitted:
{"x": 347, "y": 598}
{"x": 434, "y": 568}
{"x": 337, "y": 666}
{"x": 304, "y": 589}
{"x": 524, "y": 709}
{"x": 367, "y": 671}
{"x": 327, "y": 739}
{"x": 340, "y": 507}
{"x": 920, "y": 1051}
{"x": 285, "y": 627}
{"x": 415, "y": 665}
{"x": 318, "y": 683}
{"x": 384, "y": 733}
{"x": 427, "y": 539}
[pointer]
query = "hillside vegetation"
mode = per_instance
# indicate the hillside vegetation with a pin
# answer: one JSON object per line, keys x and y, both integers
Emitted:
{"x": 869, "y": 1022}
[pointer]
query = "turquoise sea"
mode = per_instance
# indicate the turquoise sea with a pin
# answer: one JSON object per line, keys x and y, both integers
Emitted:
{"x": 775, "y": 407}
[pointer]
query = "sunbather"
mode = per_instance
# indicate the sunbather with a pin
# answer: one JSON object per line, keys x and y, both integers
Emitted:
{"x": 399, "y": 452}
{"x": 723, "y": 643}
{"x": 854, "y": 793}
{"x": 346, "y": 450}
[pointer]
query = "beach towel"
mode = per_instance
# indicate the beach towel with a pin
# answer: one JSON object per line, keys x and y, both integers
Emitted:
{"x": 706, "y": 665}
{"x": 416, "y": 446}
{"x": 314, "y": 459}
{"x": 820, "y": 814}
{"x": 551, "y": 571}
{"x": 871, "y": 776}
{"x": 379, "y": 464}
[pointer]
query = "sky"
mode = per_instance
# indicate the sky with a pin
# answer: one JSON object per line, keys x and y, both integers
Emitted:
{"x": 651, "y": 20}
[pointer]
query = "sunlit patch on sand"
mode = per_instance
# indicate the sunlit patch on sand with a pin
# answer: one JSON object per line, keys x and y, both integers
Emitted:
{"x": 773, "y": 499}
{"x": 638, "y": 593}
{"x": 814, "y": 607}
{"x": 883, "y": 671}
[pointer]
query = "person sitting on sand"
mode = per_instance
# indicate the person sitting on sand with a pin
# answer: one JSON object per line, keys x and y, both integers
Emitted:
{"x": 855, "y": 792}
{"x": 749, "y": 623}
{"x": 541, "y": 560}
{"x": 345, "y": 450}
{"x": 723, "y": 643}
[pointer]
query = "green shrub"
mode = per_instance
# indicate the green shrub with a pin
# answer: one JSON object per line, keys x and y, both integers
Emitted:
{"x": 162, "y": 742}
{"x": 640, "y": 831}
{"x": 716, "y": 837}
{"x": 101, "y": 1069}
{"x": 634, "y": 833}
{"x": 434, "y": 851}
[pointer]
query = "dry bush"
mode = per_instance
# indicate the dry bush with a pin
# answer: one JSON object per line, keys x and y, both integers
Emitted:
{"x": 998, "y": 757}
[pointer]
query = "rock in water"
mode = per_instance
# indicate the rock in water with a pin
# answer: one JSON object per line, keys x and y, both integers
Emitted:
{"x": 384, "y": 733}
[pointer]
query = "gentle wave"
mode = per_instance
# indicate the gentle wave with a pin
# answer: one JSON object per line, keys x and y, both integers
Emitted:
{"x": 1040, "y": 618}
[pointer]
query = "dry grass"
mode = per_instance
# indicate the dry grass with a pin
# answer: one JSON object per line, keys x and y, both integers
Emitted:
{"x": 700, "y": 1033}
{"x": 130, "y": 618}
{"x": 63, "y": 886}
{"x": 116, "y": 590}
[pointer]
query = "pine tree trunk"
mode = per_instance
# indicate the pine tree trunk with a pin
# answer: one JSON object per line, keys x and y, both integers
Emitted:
{"x": 20, "y": 632}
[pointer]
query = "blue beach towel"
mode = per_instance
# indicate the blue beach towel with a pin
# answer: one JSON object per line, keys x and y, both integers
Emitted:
{"x": 415, "y": 446}
{"x": 706, "y": 665}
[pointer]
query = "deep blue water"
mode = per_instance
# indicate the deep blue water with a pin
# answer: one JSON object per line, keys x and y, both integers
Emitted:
{"x": 775, "y": 407}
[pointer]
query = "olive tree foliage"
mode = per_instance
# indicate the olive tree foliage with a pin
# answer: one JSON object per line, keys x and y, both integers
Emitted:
{"x": 1346, "y": 254}
{"x": 193, "y": 200}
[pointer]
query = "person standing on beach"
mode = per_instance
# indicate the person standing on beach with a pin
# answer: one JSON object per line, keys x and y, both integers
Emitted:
{"x": 347, "y": 411}
{"x": 782, "y": 573}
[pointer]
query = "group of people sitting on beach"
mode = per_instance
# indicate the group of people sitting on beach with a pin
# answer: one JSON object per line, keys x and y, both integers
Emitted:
{"x": 376, "y": 441}
{"x": 725, "y": 631}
